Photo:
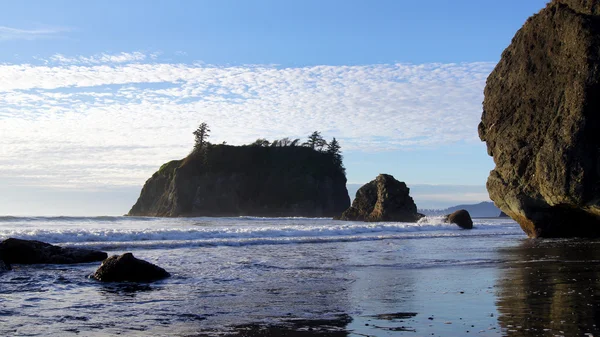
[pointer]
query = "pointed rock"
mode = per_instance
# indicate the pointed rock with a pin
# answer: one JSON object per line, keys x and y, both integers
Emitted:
{"x": 383, "y": 199}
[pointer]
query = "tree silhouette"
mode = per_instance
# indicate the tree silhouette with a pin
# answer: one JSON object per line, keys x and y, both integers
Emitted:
{"x": 316, "y": 141}
{"x": 334, "y": 149}
{"x": 261, "y": 142}
{"x": 201, "y": 134}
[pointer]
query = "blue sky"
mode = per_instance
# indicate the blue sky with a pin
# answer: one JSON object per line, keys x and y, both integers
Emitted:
{"x": 94, "y": 97}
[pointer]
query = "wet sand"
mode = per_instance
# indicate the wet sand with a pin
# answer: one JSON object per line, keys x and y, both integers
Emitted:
{"x": 534, "y": 288}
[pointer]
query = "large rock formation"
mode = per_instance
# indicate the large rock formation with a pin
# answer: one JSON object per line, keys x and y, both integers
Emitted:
{"x": 247, "y": 181}
{"x": 541, "y": 122}
{"x": 382, "y": 199}
{"x": 126, "y": 267}
{"x": 37, "y": 252}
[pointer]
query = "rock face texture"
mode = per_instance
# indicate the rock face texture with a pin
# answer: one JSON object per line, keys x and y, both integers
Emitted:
{"x": 126, "y": 267}
{"x": 247, "y": 181}
{"x": 541, "y": 123}
{"x": 35, "y": 252}
{"x": 382, "y": 199}
{"x": 462, "y": 218}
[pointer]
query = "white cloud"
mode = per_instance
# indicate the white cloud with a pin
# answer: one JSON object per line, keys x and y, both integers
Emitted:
{"x": 101, "y": 58}
{"x": 9, "y": 33}
{"x": 90, "y": 124}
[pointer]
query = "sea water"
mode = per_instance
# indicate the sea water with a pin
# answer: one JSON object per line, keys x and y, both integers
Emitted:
{"x": 261, "y": 276}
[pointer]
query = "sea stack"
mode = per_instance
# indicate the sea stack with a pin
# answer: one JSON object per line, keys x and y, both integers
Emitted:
{"x": 541, "y": 123}
{"x": 382, "y": 199}
{"x": 247, "y": 181}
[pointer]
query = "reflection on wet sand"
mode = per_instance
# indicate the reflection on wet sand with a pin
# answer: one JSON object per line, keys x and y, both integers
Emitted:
{"x": 334, "y": 327}
{"x": 551, "y": 288}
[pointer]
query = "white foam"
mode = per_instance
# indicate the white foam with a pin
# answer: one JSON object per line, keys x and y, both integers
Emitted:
{"x": 116, "y": 231}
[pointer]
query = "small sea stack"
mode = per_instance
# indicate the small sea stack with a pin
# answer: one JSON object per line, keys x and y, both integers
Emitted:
{"x": 382, "y": 199}
{"x": 541, "y": 123}
{"x": 126, "y": 267}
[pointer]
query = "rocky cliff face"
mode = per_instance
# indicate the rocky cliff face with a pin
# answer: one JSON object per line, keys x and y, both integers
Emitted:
{"x": 246, "y": 181}
{"x": 382, "y": 199}
{"x": 541, "y": 123}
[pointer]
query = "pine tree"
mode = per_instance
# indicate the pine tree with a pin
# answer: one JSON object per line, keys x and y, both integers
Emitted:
{"x": 316, "y": 141}
{"x": 201, "y": 134}
{"x": 334, "y": 149}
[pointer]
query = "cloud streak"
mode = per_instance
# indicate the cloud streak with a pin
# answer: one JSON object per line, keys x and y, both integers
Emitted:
{"x": 10, "y": 33}
{"x": 103, "y": 121}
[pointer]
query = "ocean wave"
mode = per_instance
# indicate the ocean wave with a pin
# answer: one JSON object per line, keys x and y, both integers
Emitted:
{"x": 207, "y": 231}
{"x": 63, "y": 218}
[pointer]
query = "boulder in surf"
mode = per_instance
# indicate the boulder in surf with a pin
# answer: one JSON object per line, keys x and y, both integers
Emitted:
{"x": 461, "y": 218}
{"x": 126, "y": 267}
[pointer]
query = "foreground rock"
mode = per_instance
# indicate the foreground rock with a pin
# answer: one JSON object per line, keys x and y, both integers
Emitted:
{"x": 36, "y": 252}
{"x": 541, "y": 123}
{"x": 383, "y": 199}
{"x": 462, "y": 218}
{"x": 126, "y": 267}
{"x": 247, "y": 181}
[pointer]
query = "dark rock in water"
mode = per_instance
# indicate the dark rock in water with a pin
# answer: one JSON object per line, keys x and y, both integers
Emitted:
{"x": 126, "y": 267}
{"x": 35, "y": 252}
{"x": 462, "y": 218}
{"x": 4, "y": 266}
{"x": 247, "y": 181}
{"x": 502, "y": 215}
{"x": 383, "y": 199}
{"x": 541, "y": 123}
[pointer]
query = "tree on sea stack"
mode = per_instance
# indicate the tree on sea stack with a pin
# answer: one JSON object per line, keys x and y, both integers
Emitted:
{"x": 333, "y": 148}
{"x": 262, "y": 142}
{"x": 201, "y": 134}
{"x": 316, "y": 141}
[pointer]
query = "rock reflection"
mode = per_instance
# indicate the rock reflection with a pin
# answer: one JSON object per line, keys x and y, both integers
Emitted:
{"x": 125, "y": 288}
{"x": 550, "y": 288}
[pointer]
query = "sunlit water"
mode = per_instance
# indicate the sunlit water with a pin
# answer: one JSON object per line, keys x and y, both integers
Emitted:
{"x": 340, "y": 278}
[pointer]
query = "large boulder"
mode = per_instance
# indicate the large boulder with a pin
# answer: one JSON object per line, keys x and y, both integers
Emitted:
{"x": 33, "y": 252}
{"x": 462, "y": 218}
{"x": 126, "y": 267}
{"x": 541, "y": 123}
{"x": 383, "y": 199}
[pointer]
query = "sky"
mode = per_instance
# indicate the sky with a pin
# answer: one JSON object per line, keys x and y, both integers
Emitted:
{"x": 96, "y": 96}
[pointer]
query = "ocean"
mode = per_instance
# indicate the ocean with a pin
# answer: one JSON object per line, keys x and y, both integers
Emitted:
{"x": 304, "y": 277}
